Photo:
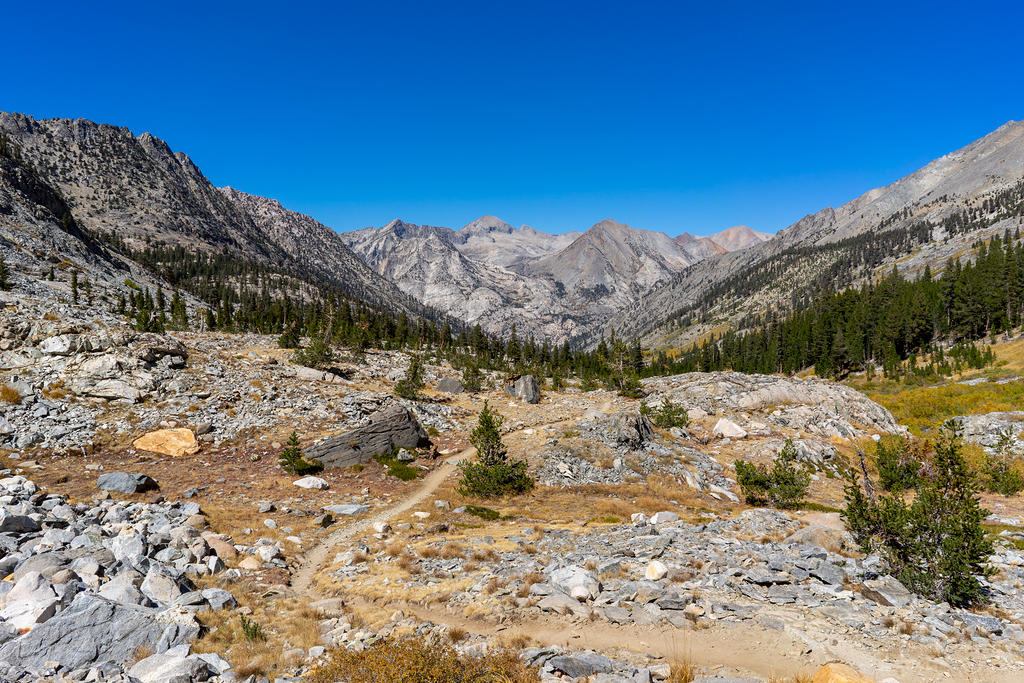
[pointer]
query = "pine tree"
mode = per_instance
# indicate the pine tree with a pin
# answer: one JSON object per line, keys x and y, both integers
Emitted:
{"x": 493, "y": 474}
{"x": 935, "y": 545}
{"x": 74, "y": 286}
{"x": 292, "y": 462}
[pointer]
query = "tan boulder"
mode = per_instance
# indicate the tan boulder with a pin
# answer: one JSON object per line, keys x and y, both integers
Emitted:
{"x": 837, "y": 672}
{"x": 172, "y": 442}
{"x": 250, "y": 563}
{"x": 224, "y": 550}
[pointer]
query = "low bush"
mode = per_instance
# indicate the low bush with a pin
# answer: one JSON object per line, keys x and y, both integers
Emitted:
{"x": 782, "y": 486}
{"x": 397, "y": 468}
{"x": 482, "y": 512}
{"x": 409, "y": 387}
{"x": 667, "y": 415}
{"x": 494, "y": 474}
{"x": 1000, "y": 476}
{"x": 898, "y": 461}
{"x": 318, "y": 355}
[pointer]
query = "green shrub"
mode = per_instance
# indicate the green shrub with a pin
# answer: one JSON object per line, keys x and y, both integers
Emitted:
{"x": 898, "y": 464}
{"x": 5, "y": 282}
{"x": 782, "y": 486}
{"x": 471, "y": 378}
{"x": 667, "y": 415}
{"x": 482, "y": 512}
{"x": 318, "y": 355}
{"x": 289, "y": 339}
{"x": 935, "y": 545}
{"x": 252, "y": 629}
{"x": 494, "y": 474}
{"x": 397, "y": 468}
{"x": 292, "y": 462}
{"x": 1000, "y": 477}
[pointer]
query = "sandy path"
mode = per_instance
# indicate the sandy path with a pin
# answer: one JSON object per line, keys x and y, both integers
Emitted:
{"x": 314, "y": 559}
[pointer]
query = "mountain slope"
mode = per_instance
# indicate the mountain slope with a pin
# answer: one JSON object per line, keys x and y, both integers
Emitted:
{"x": 426, "y": 263}
{"x": 922, "y": 219}
{"x": 135, "y": 192}
{"x": 557, "y": 287}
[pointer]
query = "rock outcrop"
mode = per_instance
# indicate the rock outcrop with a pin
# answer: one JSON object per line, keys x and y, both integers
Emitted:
{"x": 385, "y": 431}
{"x": 525, "y": 389}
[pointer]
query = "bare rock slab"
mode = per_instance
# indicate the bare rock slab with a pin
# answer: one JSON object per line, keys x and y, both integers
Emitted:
{"x": 387, "y": 430}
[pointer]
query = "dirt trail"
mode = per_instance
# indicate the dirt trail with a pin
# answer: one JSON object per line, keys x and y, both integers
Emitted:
{"x": 302, "y": 579}
{"x": 314, "y": 559}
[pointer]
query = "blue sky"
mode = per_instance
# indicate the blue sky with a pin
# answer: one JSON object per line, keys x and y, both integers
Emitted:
{"x": 669, "y": 116}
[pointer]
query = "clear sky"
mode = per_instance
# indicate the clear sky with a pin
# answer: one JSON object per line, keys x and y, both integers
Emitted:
{"x": 670, "y": 116}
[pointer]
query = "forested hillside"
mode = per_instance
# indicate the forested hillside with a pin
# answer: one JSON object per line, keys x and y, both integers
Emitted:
{"x": 879, "y": 323}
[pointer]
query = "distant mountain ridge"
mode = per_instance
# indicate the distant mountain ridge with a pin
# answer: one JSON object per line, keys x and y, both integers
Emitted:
{"x": 557, "y": 287}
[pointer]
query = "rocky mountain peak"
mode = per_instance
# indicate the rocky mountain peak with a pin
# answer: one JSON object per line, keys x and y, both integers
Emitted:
{"x": 487, "y": 224}
{"x": 738, "y": 237}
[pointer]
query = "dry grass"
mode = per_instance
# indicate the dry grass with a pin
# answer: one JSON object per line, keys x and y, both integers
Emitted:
{"x": 798, "y": 678}
{"x": 285, "y": 624}
{"x": 9, "y": 394}
{"x": 528, "y": 581}
{"x": 924, "y": 409}
{"x": 423, "y": 661}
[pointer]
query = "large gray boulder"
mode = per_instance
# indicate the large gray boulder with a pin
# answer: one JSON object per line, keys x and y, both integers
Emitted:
{"x": 630, "y": 429}
{"x": 450, "y": 385}
{"x": 525, "y": 389}
{"x": 94, "y": 631}
{"x": 125, "y": 482}
{"x": 387, "y": 430}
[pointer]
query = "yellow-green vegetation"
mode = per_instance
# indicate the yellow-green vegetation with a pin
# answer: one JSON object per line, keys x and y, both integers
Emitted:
{"x": 402, "y": 661}
{"x": 924, "y": 409}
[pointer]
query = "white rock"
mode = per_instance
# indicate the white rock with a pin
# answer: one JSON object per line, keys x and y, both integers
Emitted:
{"x": 656, "y": 571}
{"x": 638, "y": 518}
{"x": 663, "y": 517}
{"x": 729, "y": 429}
{"x": 312, "y": 483}
{"x": 576, "y": 581}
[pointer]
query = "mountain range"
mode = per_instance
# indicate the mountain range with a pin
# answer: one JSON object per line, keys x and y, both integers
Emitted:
{"x": 554, "y": 287}
{"x": 74, "y": 192}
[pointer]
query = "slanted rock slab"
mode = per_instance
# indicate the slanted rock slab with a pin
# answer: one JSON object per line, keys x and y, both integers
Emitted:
{"x": 387, "y": 430}
{"x": 173, "y": 442}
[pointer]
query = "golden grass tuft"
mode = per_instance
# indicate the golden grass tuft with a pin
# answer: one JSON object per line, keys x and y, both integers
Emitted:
{"x": 420, "y": 660}
{"x": 9, "y": 394}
